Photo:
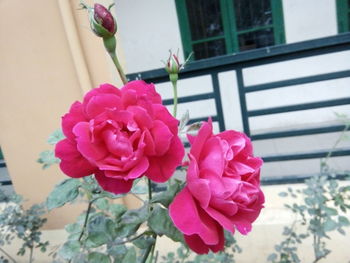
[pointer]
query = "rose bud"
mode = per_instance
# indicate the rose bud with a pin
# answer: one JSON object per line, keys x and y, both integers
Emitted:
{"x": 102, "y": 21}
{"x": 173, "y": 65}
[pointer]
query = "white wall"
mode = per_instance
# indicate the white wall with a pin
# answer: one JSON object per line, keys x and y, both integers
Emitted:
{"x": 309, "y": 19}
{"x": 147, "y": 30}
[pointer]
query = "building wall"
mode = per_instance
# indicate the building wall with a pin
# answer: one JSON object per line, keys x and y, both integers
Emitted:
{"x": 49, "y": 58}
{"x": 148, "y": 38}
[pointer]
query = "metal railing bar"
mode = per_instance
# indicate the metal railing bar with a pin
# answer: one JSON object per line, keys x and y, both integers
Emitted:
{"x": 299, "y": 107}
{"x": 297, "y": 132}
{"x": 298, "y": 81}
{"x": 218, "y": 104}
{"x": 242, "y": 99}
{"x": 191, "y": 98}
{"x": 306, "y": 155}
{"x": 259, "y": 56}
{"x": 7, "y": 182}
{"x": 294, "y": 179}
{"x": 2, "y": 163}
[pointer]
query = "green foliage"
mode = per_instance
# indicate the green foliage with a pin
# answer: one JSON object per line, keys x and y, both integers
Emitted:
{"x": 47, "y": 158}
{"x": 183, "y": 254}
{"x": 64, "y": 192}
{"x": 166, "y": 197}
{"x": 160, "y": 222}
{"x": 20, "y": 223}
{"x": 96, "y": 257}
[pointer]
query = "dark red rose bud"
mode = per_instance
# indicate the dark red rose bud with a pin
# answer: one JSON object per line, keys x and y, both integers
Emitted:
{"x": 104, "y": 18}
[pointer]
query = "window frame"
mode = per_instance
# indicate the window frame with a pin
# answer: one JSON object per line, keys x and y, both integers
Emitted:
{"x": 343, "y": 10}
{"x": 229, "y": 26}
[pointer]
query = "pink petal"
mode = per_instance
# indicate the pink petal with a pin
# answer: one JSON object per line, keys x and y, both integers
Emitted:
{"x": 100, "y": 103}
{"x": 72, "y": 162}
{"x": 190, "y": 219}
{"x": 70, "y": 119}
{"x": 200, "y": 190}
{"x": 196, "y": 244}
{"x": 113, "y": 185}
{"x": 91, "y": 151}
{"x": 212, "y": 156}
{"x": 204, "y": 133}
{"x": 161, "y": 113}
{"x": 144, "y": 89}
{"x": 163, "y": 167}
{"x": 102, "y": 89}
{"x": 162, "y": 137}
{"x": 141, "y": 117}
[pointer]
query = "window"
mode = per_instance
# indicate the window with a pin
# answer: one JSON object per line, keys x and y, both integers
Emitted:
{"x": 343, "y": 14}
{"x": 212, "y": 28}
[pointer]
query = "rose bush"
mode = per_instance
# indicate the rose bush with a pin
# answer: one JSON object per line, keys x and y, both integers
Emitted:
{"x": 120, "y": 135}
{"x": 222, "y": 189}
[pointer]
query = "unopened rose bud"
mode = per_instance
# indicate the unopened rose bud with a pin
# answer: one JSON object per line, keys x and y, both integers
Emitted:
{"x": 102, "y": 22}
{"x": 173, "y": 65}
{"x": 104, "y": 17}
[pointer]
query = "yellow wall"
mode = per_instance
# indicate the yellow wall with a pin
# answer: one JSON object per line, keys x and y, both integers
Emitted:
{"x": 49, "y": 58}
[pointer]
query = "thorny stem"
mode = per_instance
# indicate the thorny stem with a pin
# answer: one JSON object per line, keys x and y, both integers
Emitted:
{"x": 131, "y": 239}
{"x": 86, "y": 218}
{"x": 8, "y": 255}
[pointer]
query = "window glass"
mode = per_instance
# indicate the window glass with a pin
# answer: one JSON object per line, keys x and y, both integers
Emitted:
{"x": 209, "y": 49}
{"x": 204, "y": 18}
{"x": 252, "y": 13}
{"x": 256, "y": 39}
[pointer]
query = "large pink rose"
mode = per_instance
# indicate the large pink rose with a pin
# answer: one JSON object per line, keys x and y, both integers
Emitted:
{"x": 120, "y": 135}
{"x": 222, "y": 189}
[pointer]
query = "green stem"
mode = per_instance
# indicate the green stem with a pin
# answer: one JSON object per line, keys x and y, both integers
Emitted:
{"x": 145, "y": 256}
{"x": 152, "y": 251}
{"x": 8, "y": 255}
{"x": 149, "y": 189}
{"x": 174, "y": 82}
{"x": 119, "y": 67}
{"x": 86, "y": 219}
{"x": 31, "y": 255}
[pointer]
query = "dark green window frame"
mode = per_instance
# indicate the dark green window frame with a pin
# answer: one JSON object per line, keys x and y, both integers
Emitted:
{"x": 229, "y": 24}
{"x": 343, "y": 13}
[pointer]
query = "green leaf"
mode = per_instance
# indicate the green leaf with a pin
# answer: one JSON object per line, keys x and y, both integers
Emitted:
{"x": 139, "y": 187}
{"x": 101, "y": 230}
{"x": 55, "y": 137}
{"x": 166, "y": 197}
{"x": 272, "y": 257}
{"x": 131, "y": 220}
{"x": 344, "y": 221}
{"x": 47, "y": 158}
{"x": 161, "y": 224}
{"x": 102, "y": 204}
{"x": 69, "y": 249}
{"x": 64, "y": 192}
{"x": 283, "y": 194}
{"x": 330, "y": 211}
{"x": 118, "y": 252}
{"x": 144, "y": 242}
{"x": 117, "y": 210}
{"x": 130, "y": 257}
{"x": 329, "y": 225}
{"x": 96, "y": 257}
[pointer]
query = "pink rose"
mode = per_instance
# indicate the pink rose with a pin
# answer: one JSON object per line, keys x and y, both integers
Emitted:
{"x": 222, "y": 189}
{"x": 120, "y": 135}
